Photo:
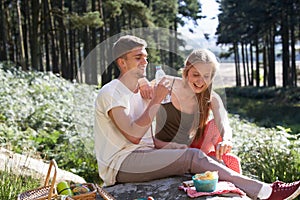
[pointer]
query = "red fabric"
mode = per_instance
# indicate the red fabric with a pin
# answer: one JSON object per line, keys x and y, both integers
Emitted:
{"x": 207, "y": 143}
{"x": 230, "y": 160}
{"x": 210, "y": 138}
{"x": 222, "y": 187}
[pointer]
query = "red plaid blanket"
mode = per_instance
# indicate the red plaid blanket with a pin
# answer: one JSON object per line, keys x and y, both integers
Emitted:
{"x": 223, "y": 187}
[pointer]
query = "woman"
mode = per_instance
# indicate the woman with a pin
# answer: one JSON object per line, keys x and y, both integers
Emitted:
{"x": 186, "y": 118}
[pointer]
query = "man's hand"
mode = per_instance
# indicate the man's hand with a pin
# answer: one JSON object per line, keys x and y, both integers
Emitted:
{"x": 223, "y": 148}
{"x": 146, "y": 91}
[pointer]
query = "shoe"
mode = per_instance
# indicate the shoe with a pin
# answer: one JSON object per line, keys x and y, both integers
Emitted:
{"x": 284, "y": 191}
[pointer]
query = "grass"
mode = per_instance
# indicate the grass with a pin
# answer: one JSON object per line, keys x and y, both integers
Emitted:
{"x": 13, "y": 184}
{"x": 267, "y": 107}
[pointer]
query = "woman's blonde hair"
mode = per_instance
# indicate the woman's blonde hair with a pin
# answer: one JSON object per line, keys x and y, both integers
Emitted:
{"x": 203, "y": 56}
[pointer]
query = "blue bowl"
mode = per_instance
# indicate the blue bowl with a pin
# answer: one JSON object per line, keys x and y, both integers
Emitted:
{"x": 205, "y": 185}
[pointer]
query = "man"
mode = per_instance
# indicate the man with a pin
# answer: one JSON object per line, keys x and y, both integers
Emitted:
{"x": 125, "y": 148}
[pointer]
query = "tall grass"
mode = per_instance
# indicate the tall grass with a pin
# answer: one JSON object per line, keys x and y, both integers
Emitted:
{"x": 13, "y": 184}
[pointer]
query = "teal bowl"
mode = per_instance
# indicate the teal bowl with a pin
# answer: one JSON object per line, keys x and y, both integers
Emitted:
{"x": 205, "y": 185}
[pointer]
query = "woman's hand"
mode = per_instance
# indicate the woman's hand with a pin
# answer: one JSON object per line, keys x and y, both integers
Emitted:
{"x": 223, "y": 148}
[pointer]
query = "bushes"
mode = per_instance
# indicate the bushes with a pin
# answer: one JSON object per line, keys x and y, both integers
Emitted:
{"x": 266, "y": 153}
{"x": 42, "y": 113}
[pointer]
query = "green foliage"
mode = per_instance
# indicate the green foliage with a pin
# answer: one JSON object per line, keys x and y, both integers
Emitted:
{"x": 138, "y": 12}
{"x": 164, "y": 13}
{"x": 113, "y": 8}
{"x": 42, "y": 113}
{"x": 11, "y": 184}
{"x": 190, "y": 9}
{"x": 268, "y": 154}
{"x": 91, "y": 19}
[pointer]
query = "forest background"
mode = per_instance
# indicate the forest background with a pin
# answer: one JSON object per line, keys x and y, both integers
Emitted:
{"x": 45, "y": 76}
{"x": 57, "y": 36}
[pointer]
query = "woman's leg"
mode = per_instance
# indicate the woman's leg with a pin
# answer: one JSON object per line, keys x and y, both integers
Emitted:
{"x": 160, "y": 163}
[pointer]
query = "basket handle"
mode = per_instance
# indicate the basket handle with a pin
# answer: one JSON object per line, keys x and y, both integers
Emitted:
{"x": 104, "y": 194}
{"x": 52, "y": 164}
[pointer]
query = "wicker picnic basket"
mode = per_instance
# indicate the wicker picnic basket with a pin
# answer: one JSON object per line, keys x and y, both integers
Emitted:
{"x": 48, "y": 191}
{"x": 104, "y": 194}
{"x": 92, "y": 195}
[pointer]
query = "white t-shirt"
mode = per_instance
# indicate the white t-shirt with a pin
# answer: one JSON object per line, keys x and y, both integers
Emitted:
{"x": 111, "y": 147}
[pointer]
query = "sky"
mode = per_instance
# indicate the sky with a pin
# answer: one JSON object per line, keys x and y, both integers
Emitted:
{"x": 205, "y": 25}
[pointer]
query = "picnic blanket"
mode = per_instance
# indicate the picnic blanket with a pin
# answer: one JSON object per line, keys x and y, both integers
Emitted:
{"x": 223, "y": 187}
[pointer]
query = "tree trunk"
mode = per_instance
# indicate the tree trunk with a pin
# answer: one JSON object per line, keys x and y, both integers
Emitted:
{"x": 247, "y": 64}
{"x": 46, "y": 36}
{"x": 251, "y": 65}
{"x": 55, "y": 68}
{"x": 293, "y": 50}
{"x": 9, "y": 29}
{"x": 72, "y": 48}
{"x": 102, "y": 38}
{"x": 3, "y": 37}
{"x": 175, "y": 42}
{"x": 94, "y": 70}
{"x": 244, "y": 64}
{"x": 271, "y": 56}
{"x": 171, "y": 48}
{"x": 62, "y": 45}
{"x": 34, "y": 35}
{"x": 86, "y": 47}
{"x": 285, "y": 48}
{"x": 257, "y": 62}
{"x": 21, "y": 39}
{"x": 115, "y": 29}
{"x": 26, "y": 26}
{"x": 237, "y": 65}
{"x": 265, "y": 65}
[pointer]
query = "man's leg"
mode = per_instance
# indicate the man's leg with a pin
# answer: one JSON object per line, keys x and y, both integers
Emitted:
{"x": 160, "y": 163}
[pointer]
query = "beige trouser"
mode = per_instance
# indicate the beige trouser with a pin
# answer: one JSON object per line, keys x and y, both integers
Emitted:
{"x": 146, "y": 165}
